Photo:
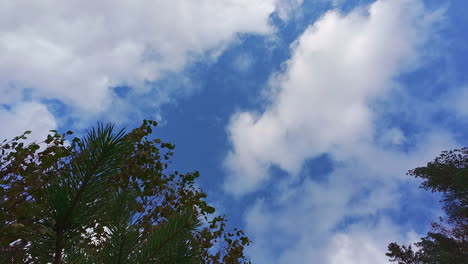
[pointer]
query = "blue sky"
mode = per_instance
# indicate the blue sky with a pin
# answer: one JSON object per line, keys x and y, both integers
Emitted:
{"x": 302, "y": 116}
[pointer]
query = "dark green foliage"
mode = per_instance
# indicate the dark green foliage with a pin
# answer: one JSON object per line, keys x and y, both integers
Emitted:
{"x": 448, "y": 242}
{"x": 106, "y": 198}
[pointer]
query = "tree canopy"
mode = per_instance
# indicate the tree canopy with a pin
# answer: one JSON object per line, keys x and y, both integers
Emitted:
{"x": 447, "y": 243}
{"x": 106, "y": 198}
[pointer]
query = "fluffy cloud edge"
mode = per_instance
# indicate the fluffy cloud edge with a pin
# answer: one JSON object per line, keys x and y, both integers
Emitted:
{"x": 22, "y": 117}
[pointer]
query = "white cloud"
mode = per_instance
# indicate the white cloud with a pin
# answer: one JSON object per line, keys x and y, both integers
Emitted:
{"x": 26, "y": 116}
{"x": 340, "y": 219}
{"x": 286, "y": 7}
{"x": 326, "y": 101}
{"x": 321, "y": 103}
{"x": 75, "y": 51}
{"x": 364, "y": 244}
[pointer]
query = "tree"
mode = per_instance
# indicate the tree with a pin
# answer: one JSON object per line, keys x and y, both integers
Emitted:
{"x": 448, "y": 241}
{"x": 106, "y": 198}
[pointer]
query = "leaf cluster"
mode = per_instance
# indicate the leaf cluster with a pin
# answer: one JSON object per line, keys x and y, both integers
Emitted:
{"x": 106, "y": 198}
{"x": 447, "y": 243}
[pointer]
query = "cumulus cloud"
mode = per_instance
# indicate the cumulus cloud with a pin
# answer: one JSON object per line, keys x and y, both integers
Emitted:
{"x": 75, "y": 51}
{"x": 326, "y": 101}
{"x": 359, "y": 246}
{"x": 322, "y": 102}
{"x": 26, "y": 116}
{"x": 340, "y": 219}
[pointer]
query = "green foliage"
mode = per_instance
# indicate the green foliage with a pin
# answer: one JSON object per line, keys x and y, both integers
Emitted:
{"x": 448, "y": 243}
{"x": 106, "y": 198}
